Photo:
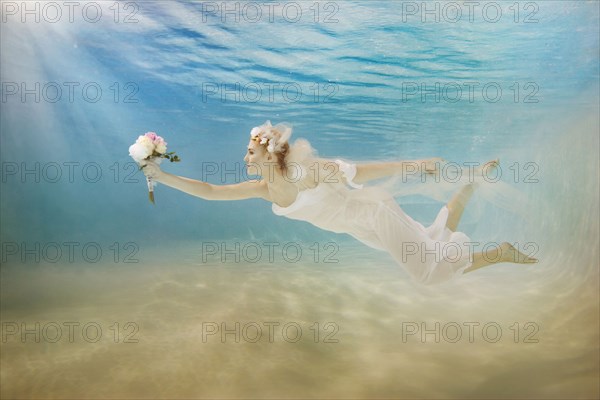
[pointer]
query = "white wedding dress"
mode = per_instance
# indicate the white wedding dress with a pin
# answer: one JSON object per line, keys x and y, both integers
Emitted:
{"x": 430, "y": 255}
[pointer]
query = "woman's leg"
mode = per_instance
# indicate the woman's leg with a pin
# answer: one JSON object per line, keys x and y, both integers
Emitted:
{"x": 503, "y": 253}
{"x": 456, "y": 206}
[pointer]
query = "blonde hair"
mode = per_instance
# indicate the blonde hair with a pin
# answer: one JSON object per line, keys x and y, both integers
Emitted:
{"x": 274, "y": 139}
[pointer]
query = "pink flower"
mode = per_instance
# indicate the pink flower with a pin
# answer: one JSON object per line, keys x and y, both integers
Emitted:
{"x": 159, "y": 143}
{"x": 152, "y": 136}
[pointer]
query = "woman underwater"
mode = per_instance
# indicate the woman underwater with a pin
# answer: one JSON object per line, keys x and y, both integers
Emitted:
{"x": 330, "y": 195}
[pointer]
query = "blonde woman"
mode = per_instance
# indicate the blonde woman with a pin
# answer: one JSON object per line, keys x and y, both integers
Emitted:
{"x": 330, "y": 195}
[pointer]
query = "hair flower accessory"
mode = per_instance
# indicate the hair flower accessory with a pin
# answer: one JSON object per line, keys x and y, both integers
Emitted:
{"x": 273, "y": 136}
{"x": 151, "y": 147}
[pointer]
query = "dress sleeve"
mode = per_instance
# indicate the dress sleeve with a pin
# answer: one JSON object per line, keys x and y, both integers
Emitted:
{"x": 349, "y": 171}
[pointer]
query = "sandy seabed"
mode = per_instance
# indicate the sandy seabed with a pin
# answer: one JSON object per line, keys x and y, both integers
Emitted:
{"x": 497, "y": 336}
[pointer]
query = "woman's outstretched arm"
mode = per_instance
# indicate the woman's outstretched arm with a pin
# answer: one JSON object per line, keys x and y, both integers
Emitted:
{"x": 372, "y": 171}
{"x": 207, "y": 191}
{"x": 376, "y": 170}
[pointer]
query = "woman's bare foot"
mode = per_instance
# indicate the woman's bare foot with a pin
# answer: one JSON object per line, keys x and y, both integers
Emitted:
{"x": 510, "y": 254}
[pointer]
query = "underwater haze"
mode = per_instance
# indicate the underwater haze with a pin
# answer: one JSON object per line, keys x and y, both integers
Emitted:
{"x": 105, "y": 295}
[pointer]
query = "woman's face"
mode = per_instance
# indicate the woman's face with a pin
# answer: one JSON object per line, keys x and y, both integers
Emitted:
{"x": 255, "y": 158}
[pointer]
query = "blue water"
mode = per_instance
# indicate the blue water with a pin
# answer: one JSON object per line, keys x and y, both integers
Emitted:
{"x": 176, "y": 62}
{"x": 350, "y": 81}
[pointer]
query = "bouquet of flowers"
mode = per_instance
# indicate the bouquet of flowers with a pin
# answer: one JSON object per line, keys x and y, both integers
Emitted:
{"x": 150, "y": 147}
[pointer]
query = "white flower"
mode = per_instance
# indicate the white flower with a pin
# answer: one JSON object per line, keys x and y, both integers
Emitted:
{"x": 161, "y": 147}
{"x": 144, "y": 140}
{"x": 141, "y": 149}
{"x": 254, "y": 132}
{"x": 264, "y": 140}
{"x": 138, "y": 153}
{"x": 146, "y": 143}
{"x": 150, "y": 148}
